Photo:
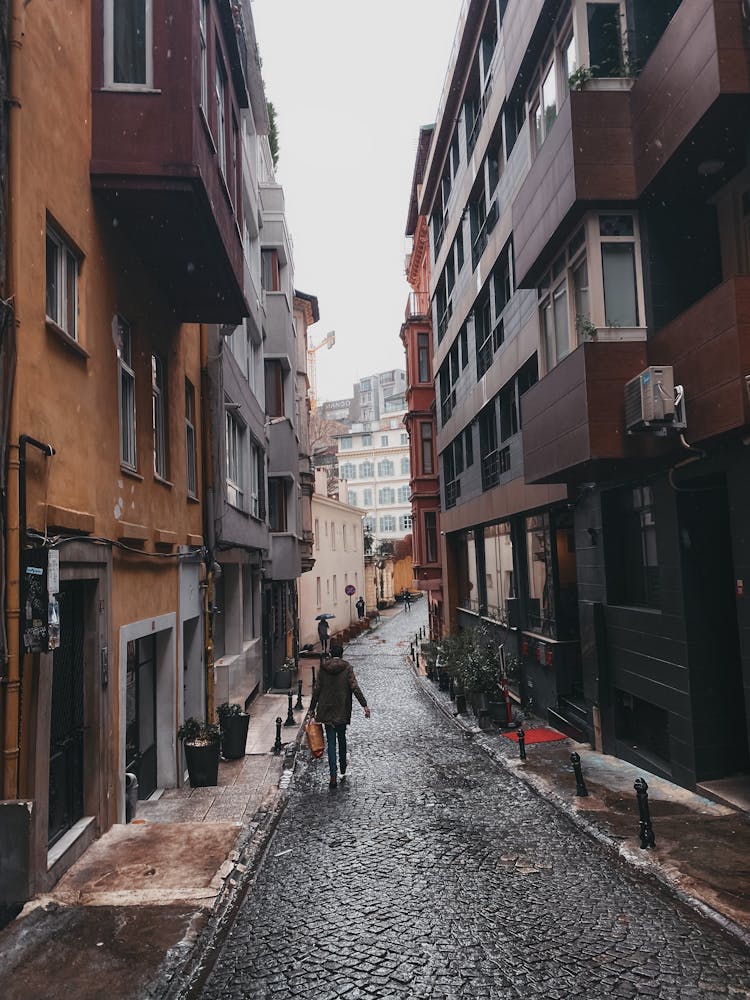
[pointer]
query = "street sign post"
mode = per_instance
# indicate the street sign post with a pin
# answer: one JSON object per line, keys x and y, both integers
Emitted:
{"x": 350, "y": 590}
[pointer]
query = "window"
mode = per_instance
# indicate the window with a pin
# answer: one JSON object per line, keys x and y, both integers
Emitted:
{"x": 566, "y": 283}
{"x": 430, "y": 536}
{"x": 404, "y": 439}
{"x": 190, "y": 441}
{"x": 388, "y": 523}
{"x": 345, "y": 443}
{"x": 348, "y": 471}
{"x": 384, "y": 441}
{"x": 203, "y": 19}
{"x": 235, "y": 443}
{"x": 127, "y": 394}
{"x": 345, "y": 536}
{"x": 352, "y": 498}
{"x": 367, "y": 498}
{"x": 366, "y": 440}
{"x": 317, "y": 535}
{"x": 386, "y": 495}
{"x": 405, "y": 466}
{"x": 405, "y": 522}
{"x": 62, "y": 284}
{"x": 385, "y": 468}
{"x": 256, "y": 481}
{"x": 221, "y": 113}
{"x": 335, "y": 590}
{"x": 366, "y": 470}
{"x": 270, "y": 272}
{"x": 423, "y": 358}
{"x": 128, "y": 42}
{"x": 634, "y": 576}
{"x": 403, "y": 494}
{"x": 425, "y": 436}
{"x": 618, "y": 270}
{"x": 274, "y": 389}
{"x": 277, "y": 505}
{"x": 368, "y": 524}
{"x": 605, "y": 39}
{"x": 468, "y": 447}
{"x": 333, "y": 536}
{"x": 317, "y": 591}
{"x": 540, "y": 580}
{"x": 159, "y": 411}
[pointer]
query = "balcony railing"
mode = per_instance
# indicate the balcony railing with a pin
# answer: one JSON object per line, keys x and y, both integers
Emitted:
{"x": 476, "y": 125}
{"x": 452, "y": 493}
{"x": 483, "y": 235}
{"x": 418, "y": 306}
{"x": 444, "y": 321}
{"x": 494, "y": 465}
{"x": 447, "y": 406}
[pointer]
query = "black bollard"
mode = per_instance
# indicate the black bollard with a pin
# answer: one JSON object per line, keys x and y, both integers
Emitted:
{"x": 290, "y": 715}
{"x": 645, "y": 828}
{"x": 313, "y": 675}
{"x": 580, "y": 783}
{"x": 411, "y": 650}
{"x": 522, "y": 744}
{"x": 277, "y": 744}
{"x": 299, "y": 704}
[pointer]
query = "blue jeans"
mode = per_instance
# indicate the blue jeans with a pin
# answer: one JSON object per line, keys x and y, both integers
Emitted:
{"x": 334, "y": 733}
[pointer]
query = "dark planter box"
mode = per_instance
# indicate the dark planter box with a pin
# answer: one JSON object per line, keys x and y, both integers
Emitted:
{"x": 234, "y": 736}
{"x": 202, "y": 764}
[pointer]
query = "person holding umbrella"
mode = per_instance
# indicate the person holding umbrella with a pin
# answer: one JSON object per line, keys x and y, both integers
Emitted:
{"x": 323, "y": 630}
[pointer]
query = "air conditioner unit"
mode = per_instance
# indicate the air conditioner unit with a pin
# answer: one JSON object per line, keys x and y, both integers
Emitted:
{"x": 650, "y": 400}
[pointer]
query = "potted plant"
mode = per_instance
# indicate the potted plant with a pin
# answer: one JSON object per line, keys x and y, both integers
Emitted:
{"x": 233, "y": 723}
{"x": 201, "y": 743}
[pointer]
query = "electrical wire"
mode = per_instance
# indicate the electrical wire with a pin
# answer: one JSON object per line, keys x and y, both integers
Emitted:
{"x": 58, "y": 540}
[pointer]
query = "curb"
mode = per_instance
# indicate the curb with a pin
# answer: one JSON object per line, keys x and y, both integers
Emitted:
{"x": 643, "y": 864}
{"x": 189, "y": 963}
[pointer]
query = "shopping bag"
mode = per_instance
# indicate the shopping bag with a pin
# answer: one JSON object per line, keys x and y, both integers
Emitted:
{"x": 314, "y": 731}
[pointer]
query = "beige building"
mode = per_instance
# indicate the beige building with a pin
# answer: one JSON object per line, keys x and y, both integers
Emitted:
{"x": 339, "y": 563}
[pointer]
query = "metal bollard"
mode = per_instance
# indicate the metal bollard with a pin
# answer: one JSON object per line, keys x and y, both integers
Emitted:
{"x": 277, "y": 744}
{"x": 411, "y": 650}
{"x": 522, "y": 744}
{"x": 580, "y": 783}
{"x": 290, "y": 715}
{"x": 313, "y": 675}
{"x": 299, "y": 704}
{"x": 645, "y": 828}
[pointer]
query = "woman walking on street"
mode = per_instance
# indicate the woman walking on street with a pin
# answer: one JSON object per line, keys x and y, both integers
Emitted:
{"x": 331, "y": 704}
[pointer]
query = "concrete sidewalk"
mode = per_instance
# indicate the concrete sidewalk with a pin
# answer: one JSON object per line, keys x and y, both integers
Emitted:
{"x": 702, "y": 851}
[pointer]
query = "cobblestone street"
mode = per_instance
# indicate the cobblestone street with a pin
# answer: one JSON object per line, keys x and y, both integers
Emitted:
{"x": 431, "y": 872}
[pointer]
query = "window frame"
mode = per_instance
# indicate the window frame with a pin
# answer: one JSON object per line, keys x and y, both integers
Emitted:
{"x": 159, "y": 410}
{"x": 203, "y": 32}
{"x": 109, "y": 50}
{"x": 220, "y": 95}
{"x": 127, "y": 376}
{"x": 234, "y": 472}
{"x": 66, "y": 257}
{"x": 191, "y": 444}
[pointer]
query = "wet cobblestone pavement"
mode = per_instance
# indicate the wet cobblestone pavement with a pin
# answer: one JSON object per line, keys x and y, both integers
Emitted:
{"x": 431, "y": 872}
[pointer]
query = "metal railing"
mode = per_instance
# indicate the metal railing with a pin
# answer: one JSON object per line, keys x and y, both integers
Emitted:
{"x": 452, "y": 493}
{"x": 494, "y": 465}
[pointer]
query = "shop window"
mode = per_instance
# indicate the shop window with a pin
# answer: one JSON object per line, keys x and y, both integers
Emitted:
{"x": 540, "y": 575}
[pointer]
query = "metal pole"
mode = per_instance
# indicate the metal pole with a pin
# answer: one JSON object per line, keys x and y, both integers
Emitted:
{"x": 290, "y": 715}
{"x": 277, "y": 744}
{"x": 299, "y": 704}
{"x": 645, "y": 829}
{"x": 580, "y": 783}
{"x": 522, "y": 744}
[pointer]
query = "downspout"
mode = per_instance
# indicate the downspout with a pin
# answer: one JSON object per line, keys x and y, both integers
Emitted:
{"x": 12, "y": 683}
{"x": 209, "y": 524}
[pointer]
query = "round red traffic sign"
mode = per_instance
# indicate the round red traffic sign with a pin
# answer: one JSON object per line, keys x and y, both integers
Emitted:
{"x": 350, "y": 589}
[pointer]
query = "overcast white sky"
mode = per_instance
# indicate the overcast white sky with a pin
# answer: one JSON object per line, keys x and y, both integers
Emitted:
{"x": 352, "y": 83}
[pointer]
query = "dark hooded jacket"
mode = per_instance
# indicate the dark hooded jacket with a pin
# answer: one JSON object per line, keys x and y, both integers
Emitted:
{"x": 332, "y": 694}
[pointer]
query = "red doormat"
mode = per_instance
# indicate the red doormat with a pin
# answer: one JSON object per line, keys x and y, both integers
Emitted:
{"x": 542, "y": 735}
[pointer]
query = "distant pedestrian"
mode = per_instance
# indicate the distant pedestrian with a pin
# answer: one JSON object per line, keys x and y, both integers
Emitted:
{"x": 323, "y": 630}
{"x": 360, "y": 606}
{"x": 332, "y": 705}
{"x": 407, "y": 599}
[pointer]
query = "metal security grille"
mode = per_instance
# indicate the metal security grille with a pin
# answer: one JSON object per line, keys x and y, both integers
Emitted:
{"x": 66, "y": 722}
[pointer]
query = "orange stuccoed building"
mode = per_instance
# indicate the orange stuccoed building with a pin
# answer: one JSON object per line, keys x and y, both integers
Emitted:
{"x": 122, "y": 243}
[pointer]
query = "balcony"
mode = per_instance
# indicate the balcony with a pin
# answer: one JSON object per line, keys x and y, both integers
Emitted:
{"x": 691, "y": 82}
{"x": 587, "y": 157}
{"x": 283, "y": 449}
{"x": 418, "y": 307}
{"x": 155, "y": 170}
{"x": 279, "y": 328}
{"x": 715, "y": 327}
{"x": 575, "y": 415}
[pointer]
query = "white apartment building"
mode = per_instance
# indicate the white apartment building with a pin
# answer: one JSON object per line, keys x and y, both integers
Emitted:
{"x": 374, "y": 470}
{"x": 339, "y": 563}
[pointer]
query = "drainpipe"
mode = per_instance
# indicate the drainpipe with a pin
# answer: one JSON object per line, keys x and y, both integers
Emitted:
{"x": 11, "y": 701}
{"x": 209, "y": 525}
